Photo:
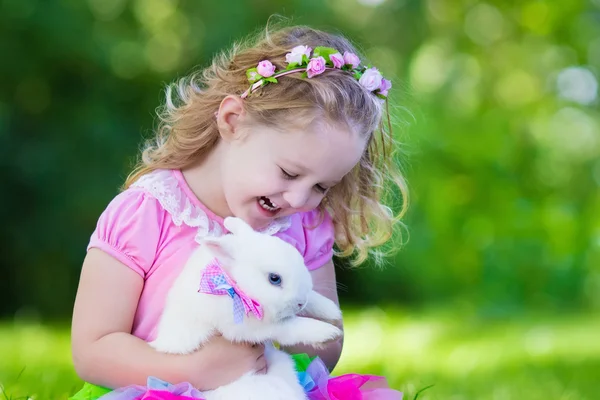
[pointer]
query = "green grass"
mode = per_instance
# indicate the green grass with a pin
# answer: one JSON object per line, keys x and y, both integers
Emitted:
{"x": 532, "y": 357}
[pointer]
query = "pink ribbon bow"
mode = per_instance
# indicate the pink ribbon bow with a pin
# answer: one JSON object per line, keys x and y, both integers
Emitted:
{"x": 215, "y": 281}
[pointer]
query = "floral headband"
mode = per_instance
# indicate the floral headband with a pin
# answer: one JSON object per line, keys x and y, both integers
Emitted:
{"x": 300, "y": 59}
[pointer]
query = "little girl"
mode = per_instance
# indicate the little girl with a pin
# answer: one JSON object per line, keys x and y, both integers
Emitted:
{"x": 285, "y": 133}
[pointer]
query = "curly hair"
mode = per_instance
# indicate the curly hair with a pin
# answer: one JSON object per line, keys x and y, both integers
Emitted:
{"x": 187, "y": 129}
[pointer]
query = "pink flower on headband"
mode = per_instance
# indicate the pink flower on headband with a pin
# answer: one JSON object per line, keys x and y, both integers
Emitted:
{"x": 315, "y": 66}
{"x": 324, "y": 58}
{"x": 351, "y": 58}
{"x": 265, "y": 68}
{"x": 295, "y": 56}
{"x": 385, "y": 86}
{"x": 371, "y": 79}
{"x": 337, "y": 60}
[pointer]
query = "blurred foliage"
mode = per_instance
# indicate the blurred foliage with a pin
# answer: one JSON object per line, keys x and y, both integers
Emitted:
{"x": 496, "y": 106}
{"x": 532, "y": 358}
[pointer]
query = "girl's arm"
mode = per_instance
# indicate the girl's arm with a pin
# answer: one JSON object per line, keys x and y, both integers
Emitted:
{"x": 106, "y": 354}
{"x": 324, "y": 282}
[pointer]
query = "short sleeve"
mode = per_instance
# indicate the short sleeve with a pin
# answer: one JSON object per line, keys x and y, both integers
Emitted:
{"x": 319, "y": 238}
{"x": 129, "y": 229}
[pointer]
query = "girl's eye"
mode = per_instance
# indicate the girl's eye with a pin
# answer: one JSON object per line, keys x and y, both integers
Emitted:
{"x": 274, "y": 279}
{"x": 321, "y": 189}
{"x": 287, "y": 175}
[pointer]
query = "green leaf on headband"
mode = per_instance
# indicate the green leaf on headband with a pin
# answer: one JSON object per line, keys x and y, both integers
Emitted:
{"x": 253, "y": 75}
{"x": 357, "y": 74}
{"x": 292, "y": 66}
{"x": 270, "y": 79}
{"x": 304, "y": 59}
{"x": 304, "y": 75}
{"x": 324, "y": 52}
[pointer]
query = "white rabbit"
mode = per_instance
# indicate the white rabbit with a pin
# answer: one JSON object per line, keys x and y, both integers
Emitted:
{"x": 267, "y": 270}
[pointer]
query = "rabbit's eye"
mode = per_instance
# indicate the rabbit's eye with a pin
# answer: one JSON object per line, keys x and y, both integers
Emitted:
{"x": 274, "y": 279}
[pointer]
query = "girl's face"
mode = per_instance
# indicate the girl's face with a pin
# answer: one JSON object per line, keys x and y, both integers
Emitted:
{"x": 268, "y": 174}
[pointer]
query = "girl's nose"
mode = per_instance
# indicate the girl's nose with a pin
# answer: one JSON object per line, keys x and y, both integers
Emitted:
{"x": 297, "y": 198}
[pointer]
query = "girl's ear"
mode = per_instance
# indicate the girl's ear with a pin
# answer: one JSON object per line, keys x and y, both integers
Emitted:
{"x": 230, "y": 111}
{"x": 220, "y": 248}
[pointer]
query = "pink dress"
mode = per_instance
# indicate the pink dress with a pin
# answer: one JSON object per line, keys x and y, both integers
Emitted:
{"x": 153, "y": 226}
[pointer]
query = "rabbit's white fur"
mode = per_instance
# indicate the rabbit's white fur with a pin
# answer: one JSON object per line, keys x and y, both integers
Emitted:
{"x": 190, "y": 318}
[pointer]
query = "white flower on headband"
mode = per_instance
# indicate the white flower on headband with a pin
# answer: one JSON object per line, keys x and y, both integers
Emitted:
{"x": 315, "y": 62}
{"x": 371, "y": 79}
{"x": 253, "y": 76}
{"x": 297, "y": 54}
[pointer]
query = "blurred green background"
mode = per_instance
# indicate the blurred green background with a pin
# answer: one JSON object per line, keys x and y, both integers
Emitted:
{"x": 497, "y": 291}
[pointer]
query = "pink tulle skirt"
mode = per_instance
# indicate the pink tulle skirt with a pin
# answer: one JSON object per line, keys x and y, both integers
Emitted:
{"x": 317, "y": 383}
{"x": 156, "y": 389}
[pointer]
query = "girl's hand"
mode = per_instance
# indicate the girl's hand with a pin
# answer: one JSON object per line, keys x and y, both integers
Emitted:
{"x": 220, "y": 362}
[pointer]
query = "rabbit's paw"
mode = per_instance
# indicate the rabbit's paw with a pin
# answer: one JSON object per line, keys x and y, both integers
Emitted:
{"x": 320, "y": 307}
{"x": 307, "y": 331}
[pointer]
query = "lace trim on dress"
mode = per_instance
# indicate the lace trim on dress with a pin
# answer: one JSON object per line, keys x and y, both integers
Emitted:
{"x": 164, "y": 186}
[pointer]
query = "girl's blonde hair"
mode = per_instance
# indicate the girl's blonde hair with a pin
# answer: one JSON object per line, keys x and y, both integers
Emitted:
{"x": 187, "y": 130}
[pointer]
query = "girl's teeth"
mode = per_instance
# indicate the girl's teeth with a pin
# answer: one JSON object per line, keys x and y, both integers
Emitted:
{"x": 263, "y": 203}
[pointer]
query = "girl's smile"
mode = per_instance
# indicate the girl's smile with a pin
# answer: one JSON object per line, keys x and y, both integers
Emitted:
{"x": 268, "y": 207}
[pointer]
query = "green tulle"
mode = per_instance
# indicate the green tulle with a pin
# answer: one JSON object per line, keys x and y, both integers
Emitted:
{"x": 93, "y": 392}
{"x": 302, "y": 361}
{"x": 90, "y": 392}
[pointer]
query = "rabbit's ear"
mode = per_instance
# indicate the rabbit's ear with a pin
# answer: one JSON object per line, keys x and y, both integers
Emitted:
{"x": 237, "y": 226}
{"x": 219, "y": 247}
